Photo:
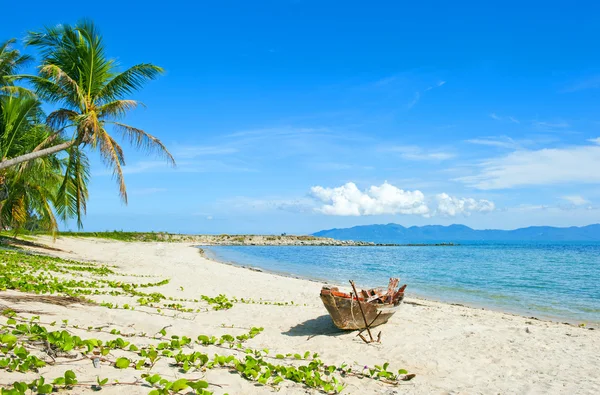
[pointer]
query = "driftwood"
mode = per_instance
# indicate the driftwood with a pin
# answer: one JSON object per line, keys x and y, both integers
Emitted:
{"x": 363, "y": 313}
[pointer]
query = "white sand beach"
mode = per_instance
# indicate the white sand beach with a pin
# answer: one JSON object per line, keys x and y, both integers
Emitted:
{"x": 451, "y": 349}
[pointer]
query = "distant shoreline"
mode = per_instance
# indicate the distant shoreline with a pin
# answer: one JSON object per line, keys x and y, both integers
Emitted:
{"x": 242, "y": 240}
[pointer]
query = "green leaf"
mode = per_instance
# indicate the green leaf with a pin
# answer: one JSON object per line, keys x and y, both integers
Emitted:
{"x": 8, "y": 339}
{"x": 20, "y": 386}
{"x": 179, "y": 385}
{"x": 45, "y": 389}
{"x": 122, "y": 363}
{"x": 277, "y": 380}
{"x": 153, "y": 379}
{"x": 70, "y": 378}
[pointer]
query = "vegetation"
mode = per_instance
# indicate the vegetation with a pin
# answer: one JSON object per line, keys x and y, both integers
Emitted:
{"x": 28, "y": 344}
{"x": 44, "y": 168}
{"x": 125, "y": 236}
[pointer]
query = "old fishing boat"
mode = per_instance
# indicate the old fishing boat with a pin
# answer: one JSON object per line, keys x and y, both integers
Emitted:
{"x": 377, "y": 305}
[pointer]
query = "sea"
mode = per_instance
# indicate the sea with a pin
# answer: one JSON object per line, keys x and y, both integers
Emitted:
{"x": 558, "y": 281}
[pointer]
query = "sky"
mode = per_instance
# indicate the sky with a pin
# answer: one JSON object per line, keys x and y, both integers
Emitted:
{"x": 296, "y": 116}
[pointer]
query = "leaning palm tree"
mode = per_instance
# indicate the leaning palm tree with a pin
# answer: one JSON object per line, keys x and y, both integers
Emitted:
{"x": 76, "y": 74}
{"x": 38, "y": 188}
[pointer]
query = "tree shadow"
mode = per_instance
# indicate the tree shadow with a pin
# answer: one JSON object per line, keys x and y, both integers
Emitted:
{"x": 322, "y": 325}
{"x": 20, "y": 243}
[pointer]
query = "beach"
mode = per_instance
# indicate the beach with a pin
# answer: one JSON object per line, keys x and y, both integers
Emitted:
{"x": 451, "y": 349}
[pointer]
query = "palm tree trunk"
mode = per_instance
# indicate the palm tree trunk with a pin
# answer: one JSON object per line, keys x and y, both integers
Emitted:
{"x": 36, "y": 154}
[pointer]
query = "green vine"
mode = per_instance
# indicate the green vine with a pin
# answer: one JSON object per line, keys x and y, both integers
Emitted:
{"x": 28, "y": 345}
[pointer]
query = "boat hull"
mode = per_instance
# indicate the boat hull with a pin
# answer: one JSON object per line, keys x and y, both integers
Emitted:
{"x": 346, "y": 314}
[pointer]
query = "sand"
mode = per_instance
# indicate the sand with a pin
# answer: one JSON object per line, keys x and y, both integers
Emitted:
{"x": 451, "y": 349}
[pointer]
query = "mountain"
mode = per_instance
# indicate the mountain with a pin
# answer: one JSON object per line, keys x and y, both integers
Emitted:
{"x": 394, "y": 233}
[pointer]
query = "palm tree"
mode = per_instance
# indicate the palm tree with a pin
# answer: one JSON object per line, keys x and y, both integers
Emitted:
{"x": 76, "y": 74}
{"x": 10, "y": 61}
{"x": 44, "y": 186}
{"x": 37, "y": 188}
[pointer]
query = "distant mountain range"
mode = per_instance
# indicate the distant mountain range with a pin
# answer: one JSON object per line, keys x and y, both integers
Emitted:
{"x": 394, "y": 233}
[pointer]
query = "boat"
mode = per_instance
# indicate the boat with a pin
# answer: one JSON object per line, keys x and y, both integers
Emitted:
{"x": 378, "y": 305}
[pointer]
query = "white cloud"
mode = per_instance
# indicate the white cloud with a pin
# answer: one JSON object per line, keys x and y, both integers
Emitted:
{"x": 193, "y": 151}
{"x": 451, "y": 206}
{"x": 411, "y": 152}
{"x": 348, "y": 200}
{"x": 440, "y": 83}
{"x": 575, "y": 164}
{"x": 143, "y": 167}
{"x": 503, "y": 118}
{"x": 415, "y": 100}
{"x": 333, "y": 166}
{"x": 595, "y": 141}
{"x": 500, "y": 142}
{"x": 419, "y": 94}
{"x": 576, "y": 200}
{"x": 528, "y": 208}
{"x": 190, "y": 166}
{"x": 146, "y": 191}
{"x": 245, "y": 204}
{"x": 590, "y": 83}
{"x": 550, "y": 125}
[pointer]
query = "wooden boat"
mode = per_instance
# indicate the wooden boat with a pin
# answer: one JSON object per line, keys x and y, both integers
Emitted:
{"x": 378, "y": 305}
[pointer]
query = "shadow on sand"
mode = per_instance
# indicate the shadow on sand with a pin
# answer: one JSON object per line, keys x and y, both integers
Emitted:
{"x": 320, "y": 326}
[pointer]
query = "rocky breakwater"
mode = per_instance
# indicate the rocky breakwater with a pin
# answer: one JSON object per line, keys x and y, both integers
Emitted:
{"x": 268, "y": 240}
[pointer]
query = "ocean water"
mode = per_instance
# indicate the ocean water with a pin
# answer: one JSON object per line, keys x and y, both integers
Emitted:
{"x": 546, "y": 280}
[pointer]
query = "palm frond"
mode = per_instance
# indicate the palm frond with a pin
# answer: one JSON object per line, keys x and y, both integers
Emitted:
{"x": 14, "y": 90}
{"x": 67, "y": 84}
{"x": 40, "y": 195}
{"x": 47, "y": 89}
{"x": 113, "y": 156}
{"x": 117, "y": 109}
{"x": 71, "y": 199}
{"x": 11, "y": 60}
{"x": 128, "y": 81}
{"x": 18, "y": 114}
{"x": 61, "y": 118}
{"x": 143, "y": 140}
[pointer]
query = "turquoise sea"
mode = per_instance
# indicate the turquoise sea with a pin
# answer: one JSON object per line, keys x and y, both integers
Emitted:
{"x": 548, "y": 280}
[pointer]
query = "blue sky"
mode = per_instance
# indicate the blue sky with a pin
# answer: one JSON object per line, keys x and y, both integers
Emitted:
{"x": 295, "y": 116}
